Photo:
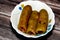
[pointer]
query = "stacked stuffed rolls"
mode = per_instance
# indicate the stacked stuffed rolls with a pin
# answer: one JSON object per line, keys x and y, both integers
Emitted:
{"x": 33, "y": 22}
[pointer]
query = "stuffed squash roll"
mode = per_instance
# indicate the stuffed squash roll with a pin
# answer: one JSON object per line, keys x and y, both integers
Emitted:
{"x": 32, "y": 23}
{"x": 42, "y": 22}
{"x": 23, "y": 21}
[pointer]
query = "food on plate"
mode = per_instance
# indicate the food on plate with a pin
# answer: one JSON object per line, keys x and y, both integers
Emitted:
{"x": 42, "y": 22}
{"x": 32, "y": 23}
{"x": 23, "y": 21}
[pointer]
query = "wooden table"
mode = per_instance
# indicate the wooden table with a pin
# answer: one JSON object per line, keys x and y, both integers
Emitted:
{"x": 8, "y": 33}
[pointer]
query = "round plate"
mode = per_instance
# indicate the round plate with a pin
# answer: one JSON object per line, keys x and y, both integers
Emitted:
{"x": 36, "y": 5}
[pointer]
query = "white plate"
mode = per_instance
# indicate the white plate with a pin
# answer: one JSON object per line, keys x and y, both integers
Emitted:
{"x": 36, "y": 5}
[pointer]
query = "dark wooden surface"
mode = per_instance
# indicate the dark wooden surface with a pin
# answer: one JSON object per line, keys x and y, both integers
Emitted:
{"x": 8, "y": 33}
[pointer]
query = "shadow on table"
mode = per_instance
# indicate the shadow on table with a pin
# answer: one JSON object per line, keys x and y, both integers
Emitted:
{"x": 24, "y": 38}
